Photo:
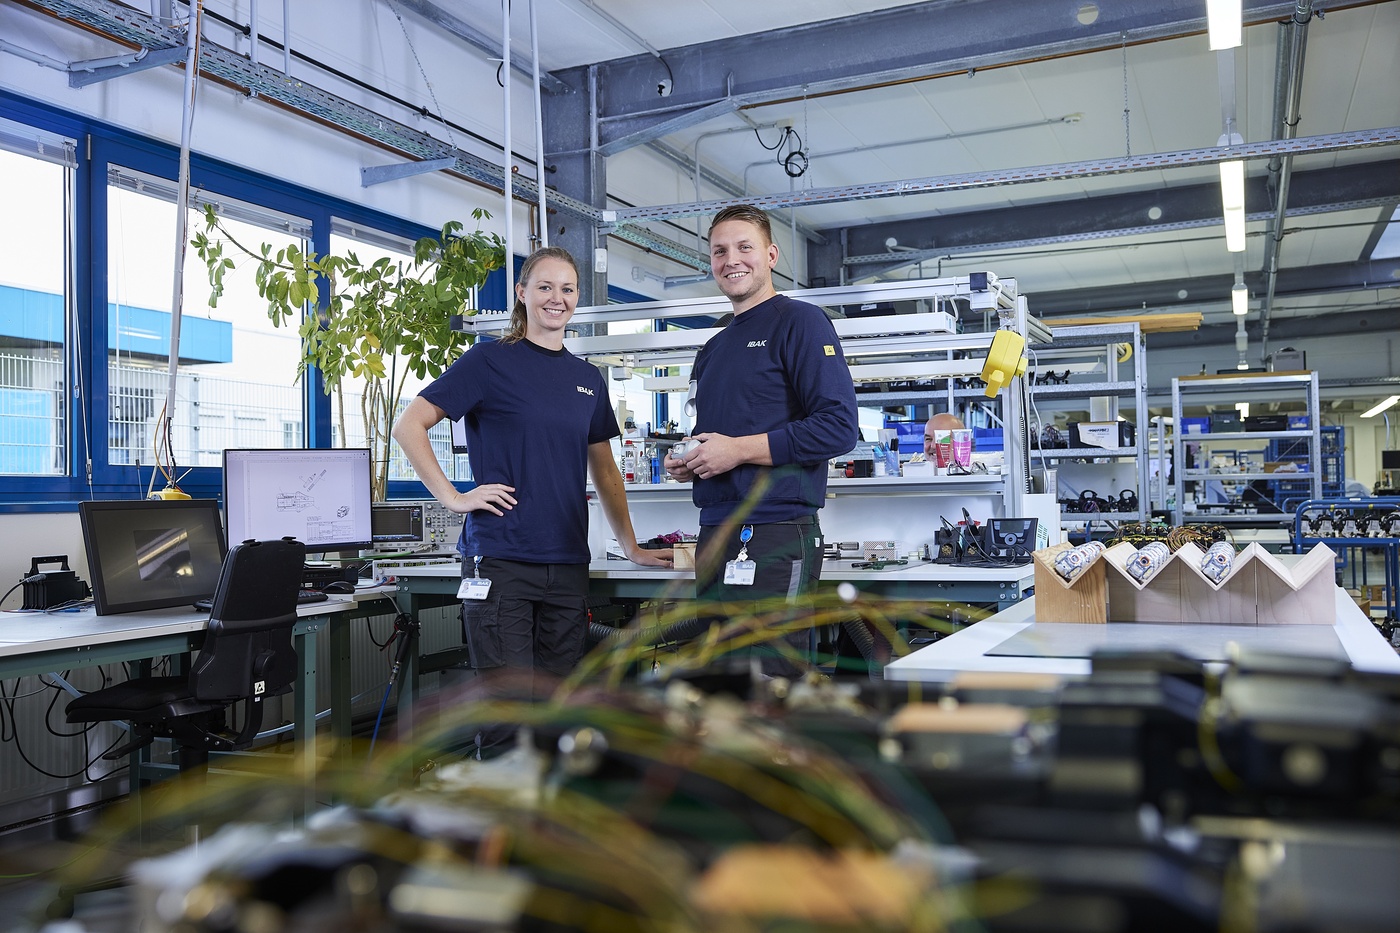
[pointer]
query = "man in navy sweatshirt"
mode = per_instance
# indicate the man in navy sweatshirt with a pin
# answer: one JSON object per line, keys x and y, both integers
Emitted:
{"x": 773, "y": 403}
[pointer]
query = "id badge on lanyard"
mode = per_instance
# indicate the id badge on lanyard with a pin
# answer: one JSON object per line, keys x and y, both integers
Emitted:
{"x": 476, "y": 586}
{"x": 740, "y": 572}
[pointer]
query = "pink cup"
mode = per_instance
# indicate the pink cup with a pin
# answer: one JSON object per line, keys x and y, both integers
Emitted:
{"x": 962, "y": 448}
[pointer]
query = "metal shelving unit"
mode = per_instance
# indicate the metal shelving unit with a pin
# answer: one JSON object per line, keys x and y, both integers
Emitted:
{"x": 923, "y": 346}
{"x": 1226, "y": 390}
{"x": 1091, "y": 353}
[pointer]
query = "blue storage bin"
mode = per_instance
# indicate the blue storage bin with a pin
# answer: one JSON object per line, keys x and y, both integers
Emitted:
{"x": 1191, "y": 426}
{"x": 985, "y": 440}
{"x": 911, "y": 435}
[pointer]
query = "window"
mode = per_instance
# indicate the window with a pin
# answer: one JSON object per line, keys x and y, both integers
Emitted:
{"x": 236, "y": 383}
{"x": 370, "y": 246}
{"x": 36, "y": 177}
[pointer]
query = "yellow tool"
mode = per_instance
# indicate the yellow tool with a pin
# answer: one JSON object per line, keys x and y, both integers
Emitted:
{"x": 1005, "y": 361}
{"x": 170, "y": 492}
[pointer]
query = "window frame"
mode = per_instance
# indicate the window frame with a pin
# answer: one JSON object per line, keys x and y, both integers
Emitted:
{"x": 102, "y": 146}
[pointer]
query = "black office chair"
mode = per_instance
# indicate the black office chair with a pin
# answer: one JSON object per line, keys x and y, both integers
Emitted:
{"x": 247, "y": 655}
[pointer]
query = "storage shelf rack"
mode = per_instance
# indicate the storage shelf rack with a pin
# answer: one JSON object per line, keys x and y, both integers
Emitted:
{"x": 1226, "y": 390}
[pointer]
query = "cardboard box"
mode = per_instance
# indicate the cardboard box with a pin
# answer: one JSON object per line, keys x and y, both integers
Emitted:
{"x": 1101, "y": 434}
{"x": 1231, "y": 601}
{"x": 1084, "y": 599}
{"x": 1157, "y": 600}
{"x": 683, "y": 556}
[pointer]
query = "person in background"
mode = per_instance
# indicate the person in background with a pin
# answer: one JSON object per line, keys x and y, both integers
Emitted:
{"x": 538, "y": 424}
{"x": 774, "y": 402}
{"x": 943, "y": 421}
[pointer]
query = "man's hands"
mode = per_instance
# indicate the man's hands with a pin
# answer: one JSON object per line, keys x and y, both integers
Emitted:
{"x": 719, "y": 453}
{"x": 489, "y": 497}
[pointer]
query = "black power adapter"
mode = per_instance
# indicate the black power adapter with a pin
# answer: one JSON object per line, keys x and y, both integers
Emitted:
{"x": 44, "y": 589}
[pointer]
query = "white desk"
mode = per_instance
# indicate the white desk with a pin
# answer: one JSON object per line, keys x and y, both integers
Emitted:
{"x": 37, "y": 643}
{"x": 967, "y": 649}
{"x": 623, "y": 579}
{"x": 918, "y": 580}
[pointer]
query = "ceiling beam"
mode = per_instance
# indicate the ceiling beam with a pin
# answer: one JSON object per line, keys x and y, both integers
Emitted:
{"x": 905, "y": 43}
{"x": 1176, "y": 293}
{"x": 1352, "y": 323}
{"x": 490, "y": 45}
{"x": 1098, "y": 217}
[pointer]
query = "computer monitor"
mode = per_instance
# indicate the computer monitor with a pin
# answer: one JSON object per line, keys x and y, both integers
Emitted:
{"x": 152, "y": 553}
{"x": 321, "y": 497}
{"x": 397, "y": 524}
{"x": 1390, "y": 459}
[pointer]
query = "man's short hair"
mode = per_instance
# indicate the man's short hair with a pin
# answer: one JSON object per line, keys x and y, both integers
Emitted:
{"x": 747, "y": 213}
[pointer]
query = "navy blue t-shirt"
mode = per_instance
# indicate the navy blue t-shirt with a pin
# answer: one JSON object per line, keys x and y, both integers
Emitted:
{"x": 530, "y": 414}
{"x": 777, "y": 369}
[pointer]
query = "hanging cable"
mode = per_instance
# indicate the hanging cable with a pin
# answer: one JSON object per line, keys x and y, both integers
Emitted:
{"x": 177, "y": 298}
{"x": 422, "y": 72}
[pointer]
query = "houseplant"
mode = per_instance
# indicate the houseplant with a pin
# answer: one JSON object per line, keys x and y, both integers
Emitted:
{"x": 378, "y": 321}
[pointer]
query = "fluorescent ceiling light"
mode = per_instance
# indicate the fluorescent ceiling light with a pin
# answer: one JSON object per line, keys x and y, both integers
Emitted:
{"x": 1224, "y": 23}
{"x": 1239, "y": 299}
{"x": 1232, "y": 198}
{"x": 1380, "y": 407}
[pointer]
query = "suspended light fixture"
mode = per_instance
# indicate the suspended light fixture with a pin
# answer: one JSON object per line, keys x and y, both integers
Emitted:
{"x": 1380, "y": 407}
{"x": 1239, "y": 297}
{"x": 1232, "y": 198}
{"x": 1224, "y": 23}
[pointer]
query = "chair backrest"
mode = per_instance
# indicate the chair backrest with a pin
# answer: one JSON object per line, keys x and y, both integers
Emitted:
{"x": 247, "y": 648}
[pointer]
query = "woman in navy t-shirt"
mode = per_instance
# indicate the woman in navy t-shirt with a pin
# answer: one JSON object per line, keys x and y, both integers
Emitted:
{"x": 538, "y": 423}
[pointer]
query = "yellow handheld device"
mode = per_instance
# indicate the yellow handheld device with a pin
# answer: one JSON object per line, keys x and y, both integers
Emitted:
{"x": 1005, "y": 361}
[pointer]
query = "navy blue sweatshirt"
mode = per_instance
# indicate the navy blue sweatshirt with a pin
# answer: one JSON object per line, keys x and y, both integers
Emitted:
{"x": 777, "y": 369}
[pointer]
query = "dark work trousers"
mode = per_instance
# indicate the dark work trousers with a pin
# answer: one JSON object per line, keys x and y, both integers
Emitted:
{"x": 788, "y": 558}
{"x": 534, "y": 619}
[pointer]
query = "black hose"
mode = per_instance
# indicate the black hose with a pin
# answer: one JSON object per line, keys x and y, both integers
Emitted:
{"x": 864, "y": 639}
{"x": 683, "y": 630}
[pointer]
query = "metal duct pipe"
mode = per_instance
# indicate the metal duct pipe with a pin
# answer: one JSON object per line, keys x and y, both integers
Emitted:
{"x": 287, "y": 37}
{"x": 182, "y": 210}
{"x": 508, "y": 173}
{"x": 1285, "y": 127}
{"x": 539, "y": 125}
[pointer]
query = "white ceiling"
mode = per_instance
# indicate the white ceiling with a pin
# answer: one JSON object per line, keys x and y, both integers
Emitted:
{"x": 1054, "y": 110}
{"x": 1014, "y": 117}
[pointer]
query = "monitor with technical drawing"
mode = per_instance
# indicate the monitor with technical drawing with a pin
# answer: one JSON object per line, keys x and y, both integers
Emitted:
{"x": 321, "y": 497}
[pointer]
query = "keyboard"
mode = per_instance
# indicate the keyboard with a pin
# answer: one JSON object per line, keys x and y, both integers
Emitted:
{"x": 303, "y": 597}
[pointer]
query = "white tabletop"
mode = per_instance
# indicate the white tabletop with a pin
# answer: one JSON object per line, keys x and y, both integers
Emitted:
{"x": 27, "y": 632}
{"x": 966, "y": 650}
{"x": 921, "y": 571}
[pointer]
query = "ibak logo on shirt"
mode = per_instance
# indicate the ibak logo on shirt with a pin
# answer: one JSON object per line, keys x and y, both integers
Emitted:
{"x": 757, "y": 343}
{"x": 584, "y": 389}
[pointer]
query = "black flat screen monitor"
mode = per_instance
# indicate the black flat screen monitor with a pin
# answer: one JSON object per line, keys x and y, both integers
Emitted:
{"x": 321, "y": 497}
{"x": 1390, "y": 459}
{"x": 152, "y": 553}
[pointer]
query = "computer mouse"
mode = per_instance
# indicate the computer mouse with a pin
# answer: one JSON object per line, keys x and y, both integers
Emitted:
{"x": 339, "y": 586}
